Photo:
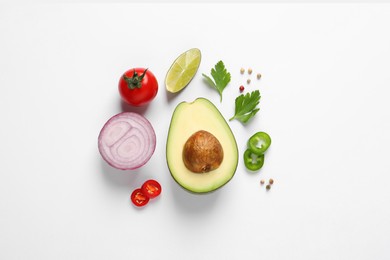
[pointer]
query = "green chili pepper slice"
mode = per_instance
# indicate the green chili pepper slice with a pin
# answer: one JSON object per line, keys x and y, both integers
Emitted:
{"x": 253, "y": 161}
{"x": 259, "y": 143}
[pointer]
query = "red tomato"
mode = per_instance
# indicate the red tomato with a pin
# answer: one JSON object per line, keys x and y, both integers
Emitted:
{"x": 151, "y": 188}
{"x": 138, "y": 86}
{"x": 139, "y": 198}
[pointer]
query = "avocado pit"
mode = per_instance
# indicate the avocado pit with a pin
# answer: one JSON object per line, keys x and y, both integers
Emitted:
{"x": 202, "y": 152}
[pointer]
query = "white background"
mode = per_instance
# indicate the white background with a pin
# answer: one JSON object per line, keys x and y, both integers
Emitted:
{"x": 325, "y": 103}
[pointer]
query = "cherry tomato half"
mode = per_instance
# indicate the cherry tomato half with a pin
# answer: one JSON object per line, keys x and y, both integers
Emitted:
{"x": 138, "y": 198}
{"x": 151, "y": 188}
{"x": 138, "y": 86}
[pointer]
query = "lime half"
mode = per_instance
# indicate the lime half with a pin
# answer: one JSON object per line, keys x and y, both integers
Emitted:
{"x": 182, "y": 70}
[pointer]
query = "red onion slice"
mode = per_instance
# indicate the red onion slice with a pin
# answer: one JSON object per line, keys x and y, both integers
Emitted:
{"x": 127, "y": 141}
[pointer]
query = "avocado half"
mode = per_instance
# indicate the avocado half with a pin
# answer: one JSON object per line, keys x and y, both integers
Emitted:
{"x": 187, "y": 119}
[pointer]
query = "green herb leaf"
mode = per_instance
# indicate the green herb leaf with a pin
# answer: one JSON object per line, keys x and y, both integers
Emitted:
{"x": 246, "y": 106}
{"x": 221, "y": 77}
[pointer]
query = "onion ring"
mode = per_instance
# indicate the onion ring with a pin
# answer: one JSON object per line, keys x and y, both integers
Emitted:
{"x": 127, "y": 141}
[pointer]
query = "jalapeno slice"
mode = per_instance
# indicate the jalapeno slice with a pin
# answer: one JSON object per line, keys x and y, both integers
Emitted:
{"x": 253, "y": 161}
{"x": 259, "y": 143}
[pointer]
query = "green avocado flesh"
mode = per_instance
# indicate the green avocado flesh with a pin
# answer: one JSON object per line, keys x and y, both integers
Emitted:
{"x": 187, "y": 119}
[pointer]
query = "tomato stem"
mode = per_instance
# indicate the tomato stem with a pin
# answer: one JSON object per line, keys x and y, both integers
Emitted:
{"x": 134, "y": 81}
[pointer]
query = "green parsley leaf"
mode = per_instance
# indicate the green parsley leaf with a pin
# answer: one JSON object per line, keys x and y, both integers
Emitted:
{"x": 221, "y": 77}
{"x": 246, "y": 106}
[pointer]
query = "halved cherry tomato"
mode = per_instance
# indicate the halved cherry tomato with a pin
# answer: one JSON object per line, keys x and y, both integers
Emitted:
{"x": 138, "y": 86}
{"x": 138, "y": 198}
{"x": 151, "y": 188}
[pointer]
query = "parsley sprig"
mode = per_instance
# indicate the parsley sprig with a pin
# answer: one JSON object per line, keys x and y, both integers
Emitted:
{"x": 246, "y": 106}
{"x": 221, "y": 77}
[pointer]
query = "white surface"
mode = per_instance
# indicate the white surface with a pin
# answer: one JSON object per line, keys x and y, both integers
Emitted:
{"x": 325, "y": 102}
